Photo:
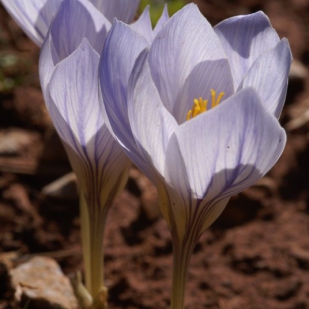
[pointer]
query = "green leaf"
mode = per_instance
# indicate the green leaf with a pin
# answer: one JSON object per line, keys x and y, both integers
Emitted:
{"x": 156, "y": 7}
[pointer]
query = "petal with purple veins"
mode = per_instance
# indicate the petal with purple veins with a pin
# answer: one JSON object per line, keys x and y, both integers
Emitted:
{"x": 123, "y": 10}
{"x": 148, "y": 117}
{"x": 143, "y": 25}
{"x": 243, "y": 39}
{"x": 186, "y": 40}
{"x": 74, "y": 106}
{"x": 221, "y": 152}
{"x": 162, "y": 20}
{"x": 33, "y": 16}
{"x": 269, "y": 76}
{"x": 121, "y": 49}
{"x": 75, "y": 20}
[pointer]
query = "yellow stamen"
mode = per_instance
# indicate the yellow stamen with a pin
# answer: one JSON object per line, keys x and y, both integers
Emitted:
{"x": 215, "y": 102}
{"x": 200, "y": 106}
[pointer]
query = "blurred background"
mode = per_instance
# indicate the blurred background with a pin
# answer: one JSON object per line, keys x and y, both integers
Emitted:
{"x": 255, "y": 256}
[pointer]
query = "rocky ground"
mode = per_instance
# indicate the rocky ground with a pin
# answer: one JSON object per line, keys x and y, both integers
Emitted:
{"x": 255, "y": 256}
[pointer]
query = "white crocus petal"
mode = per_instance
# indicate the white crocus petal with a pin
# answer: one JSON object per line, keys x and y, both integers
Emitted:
{"x": 244, "y": 38}
{"x": 121, "y": 49}
{"x": 47, "y": 62}
{"x": 161, "y": 22}
{"x": 204, "y": 76}
{"x": 67, "y": 33}
{"x": 33, "y": 16}
{"x": 123, "y": 10}
{"x": 112, "y": 165}
{"x": 57, "y": 46}
{"x": 74, "y": 106}
{"x": 220, "y": 153}
{"x": 269, "y": 76}
{"x": 143, "y": 25}
{"x": 148, "y": 117}
{"x": 186, "y": 40}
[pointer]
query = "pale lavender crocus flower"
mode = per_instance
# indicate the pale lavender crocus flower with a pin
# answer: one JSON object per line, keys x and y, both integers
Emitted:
{"x": 35, "y": 16}
{"x": 199, "y": 115}
{"x": 69, "y": 78}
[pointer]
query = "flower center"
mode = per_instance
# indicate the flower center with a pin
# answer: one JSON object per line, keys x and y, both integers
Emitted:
{"x": 200, "y": 106}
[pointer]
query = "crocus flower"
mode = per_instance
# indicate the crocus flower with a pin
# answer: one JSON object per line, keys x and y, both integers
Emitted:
{"x": 199, "y": 115}
{"x": 69, "y": 78}
{"x": 35, "y": 16}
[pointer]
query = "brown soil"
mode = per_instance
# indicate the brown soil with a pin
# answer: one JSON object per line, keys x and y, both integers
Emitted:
{"x": 255, "y": 256}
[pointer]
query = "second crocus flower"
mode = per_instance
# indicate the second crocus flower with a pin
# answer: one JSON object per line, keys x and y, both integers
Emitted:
{"x": 199, "y": 116}
{"x": 69, "y": 78}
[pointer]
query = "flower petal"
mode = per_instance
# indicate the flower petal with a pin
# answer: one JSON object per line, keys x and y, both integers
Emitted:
{"x": 143, "y": 25}
{"x": 74, "y": 103}
{"x": 48, "y": 60}
{"x": 151, "y": 124}
{"x": 107, "y": 171}
{"x": 111, "y": 165}
{"x": 75, "y": 20}
{"x": 121, "y": 49}
{"x": 33, "y": 16}
{"x": 204, "y": 76}
{"x": 186, "y": 40}
{"x": 162, "y": 20}
{"x": 123, "y": 10}
{"x": 244, "y": 38}
{"x": 269, "y": 76}
{"x": 220, "y": 153}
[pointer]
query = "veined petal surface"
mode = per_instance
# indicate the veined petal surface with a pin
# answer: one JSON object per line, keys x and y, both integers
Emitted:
{"x": 33, "y": 16}
{"x": 220, "y": 153}
{"x": 75, "y": 20}
{"x": 186, "y": 40}
{"x": 269, "y": 76}
{"x": 121, "y": 49}
{"x": 244, "y": 38}
{"x": 123, "y": 10}
{"x": 161, "y": 22}
{"x": 47, "y": 62}
{"x": 149, "y": 117}
{"x": 73, "y": 90}
{"x": 143, "y": 25}
{"x": 74, "y": 109}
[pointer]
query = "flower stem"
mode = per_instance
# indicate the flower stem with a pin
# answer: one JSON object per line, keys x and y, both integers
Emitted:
{"x": 93, "y": 218}
{"x": 85, "y": 235}
{"x": 98, "y": 290}
{"x": 181, "y": 258}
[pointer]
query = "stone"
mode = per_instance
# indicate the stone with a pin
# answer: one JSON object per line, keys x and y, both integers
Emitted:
{"x": 15, "y": 142}
{"x": 6, "y": 263}
{"x": 298, "y": 71}
{"x": 7, "y": 260}
{"x": 62, "y": 188}
{"x": 41, "y": 281}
